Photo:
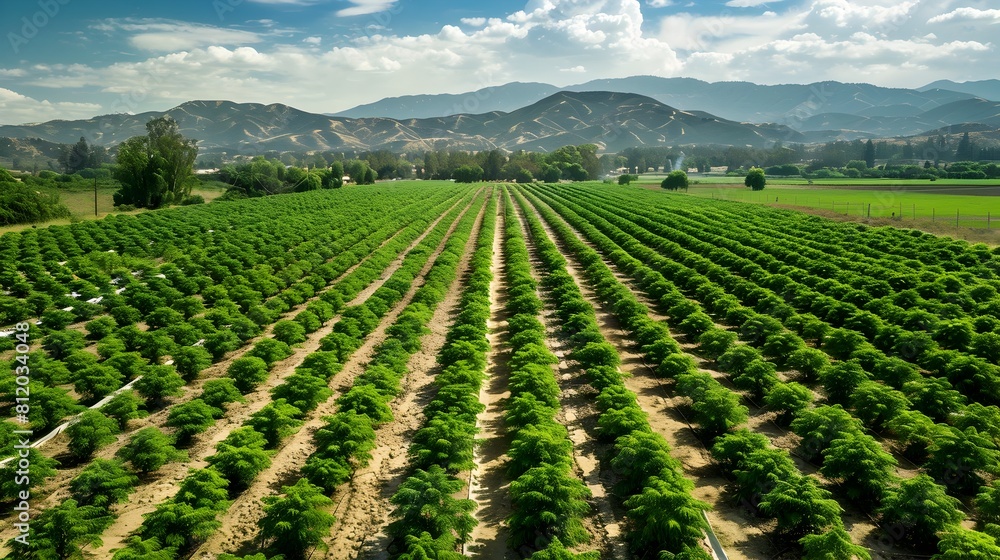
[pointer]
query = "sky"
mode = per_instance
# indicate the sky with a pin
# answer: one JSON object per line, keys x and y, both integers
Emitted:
{"x": 71, "y": 59}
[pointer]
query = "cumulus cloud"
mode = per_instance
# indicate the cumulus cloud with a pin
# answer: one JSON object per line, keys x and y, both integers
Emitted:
{"x": 20, "y": 109}
{"x": 749, "y": 3}
{"x": 889, "y": 42}
{"x": 659, "y": 3}
{"x": 161, "y": 35}
{"x": 967, "y": 14}
{"x": 365, "y": 7}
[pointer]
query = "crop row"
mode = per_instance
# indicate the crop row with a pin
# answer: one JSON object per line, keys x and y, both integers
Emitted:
{"x": 246, "y": 450}
{"x": 663, "y": 517}
{"x": 427, "y": 518}
{"x": 826, "y": 429}
{"x": 153, "y": 448}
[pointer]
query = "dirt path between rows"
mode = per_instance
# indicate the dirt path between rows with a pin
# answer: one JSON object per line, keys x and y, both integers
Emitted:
{"x": 363, "y": 513}
{"x": 579, "y": 414}
{"x": 489, "y": 485}
{"x": 239, "y": 523}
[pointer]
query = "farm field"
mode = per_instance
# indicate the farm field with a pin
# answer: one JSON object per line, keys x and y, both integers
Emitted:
{"x": 430, "y": 369}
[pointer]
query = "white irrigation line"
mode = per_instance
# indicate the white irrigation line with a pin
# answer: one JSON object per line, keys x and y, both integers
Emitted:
{"x": 62, "y": 427}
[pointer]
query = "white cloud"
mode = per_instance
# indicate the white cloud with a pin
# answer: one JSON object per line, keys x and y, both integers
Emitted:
{"x": 749, "y": 3}
{"x": 159, "y": 35}
{"x": 659, "y": 3}
{"x": 365, "y": 7}
{"x": 967, "y": 14}
{"x": 19, "y": 109}
{"x": 887, "y": 42}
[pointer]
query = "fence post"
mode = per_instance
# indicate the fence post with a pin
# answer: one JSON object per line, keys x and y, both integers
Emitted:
{"x": 956, "y": 217}
{"x": 987, "y": 220}
{"x": 869, "y": 209}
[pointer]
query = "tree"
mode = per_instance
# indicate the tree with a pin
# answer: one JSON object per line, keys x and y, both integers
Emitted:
{"x": 89, "y": 433}
{"x": 247, "y": 372}
{"x": 675, "y": 180}
{"x": 60, "y": 531}
{"x": 190, "y": 418}
{"x": 801, "y": 506}
{"x": 788, "y": 399}
{"x": 664, "y": 516}
{"x": 425, "y": 502}
{"x": 179, "y": 525}
{"x": 289, "y": 332}
{"x": 149, "y": 449}
{"x": 921, "y": 508}
{"x": 863, "y": 469}
{"x": 296, "y": 522}
{"x": 732, "y": 449}
{"x": 97, "y": 381}
{"x": 42, "y": 467}
{"x": 335, "y": 179}
{"x": 965, "y": 151}
{"x": 961, "y": 544}
{"x": 190, "y": 360}
{"x": 755, "y": 179}
{"x": 548, "y": 502}
{"x": 240, "y": 457}
{"x": 718, "y": 411}
{"x": 49, "y": 405}
{"x": 145, "y": 549}
{"x": 468, "y": 174}
{"x": 556, "y": 551}
{"x": 869, "y": 154}
{"x": 217, "y": 393}
{"x": 75, "y": 157}
{"x": 124, "y": 407}
{"x": 834, "y": 544}
{"x": 204, "y": 488}
{"x": 819, "y": 426}
{"x": 876, "y": 404}
{"x": 275, "y": 421}
{"x": 158, "y": 383}
{"x": 959, "y": 458}
{"x": 841, "y": 379}
{"x": 302, "y": 390}
{"x": 102, "y": 483}
{"x": 155, "y": 169}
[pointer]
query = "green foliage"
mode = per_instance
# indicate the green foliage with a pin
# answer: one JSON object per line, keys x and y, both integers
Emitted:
{"x": 289, "y": 332}
{"x": 179, "y": 525}
{"x": 123, "y": 407}
{"x": 676, "y": 180}
{"x": 204, "y": 488}
{"x": 61, "y": 531}
{"x": 296, "y": 522}
{"x": 240, "y": 457}
{"x": 425, "y": 503}
{"x": 20, "y": 204}
{"x": 158, "y": 383}
{"x": 190, "y": 418}
{"x": 275, "y": 421}
{"x": 247, "y": 372}
{"x": 922, "y": 509}
{"x": 148, "y": 450}
{"x": 217, "y": 393}
{"x": 156, "y": 169}
{"x": 548, "y": 502}
{"x": 11, "y": 483}
{"x": 801, "y": 506}
{"x": 834, "y": 544}
{"x": 863, "y": 469}
{"x": 190, "y": 360}
{"x": 665, "y": 516}
{"x": 755, "y": 179}
{"x": 962, "y": 544}
{"x": 788, "y": 399}
{"x": 103, "y": 483}
{"x": 91, "y": 431}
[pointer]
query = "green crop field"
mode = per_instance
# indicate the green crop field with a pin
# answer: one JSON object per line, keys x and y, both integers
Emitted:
{"x": 417, "y": 369}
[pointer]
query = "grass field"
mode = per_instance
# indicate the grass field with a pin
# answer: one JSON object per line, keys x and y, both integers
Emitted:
{"x": 855, "y": 183}
{"x": 80, "y": 202}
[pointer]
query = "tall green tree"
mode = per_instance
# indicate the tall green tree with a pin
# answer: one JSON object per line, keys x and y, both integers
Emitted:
{"x": 755, "y": 179}
{"x": 157, "y": 169}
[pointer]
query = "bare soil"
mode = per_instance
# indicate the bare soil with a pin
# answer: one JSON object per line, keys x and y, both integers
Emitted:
{"x": 489, "y": 485}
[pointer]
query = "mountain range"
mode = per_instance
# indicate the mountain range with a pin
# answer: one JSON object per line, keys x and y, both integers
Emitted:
{"x": 614, "y": 114}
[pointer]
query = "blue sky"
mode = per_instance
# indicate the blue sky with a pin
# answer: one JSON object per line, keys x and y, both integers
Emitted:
{"x": 80, "y": 58}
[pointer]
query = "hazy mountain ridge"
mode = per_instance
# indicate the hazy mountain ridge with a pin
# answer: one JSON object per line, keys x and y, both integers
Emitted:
{"x": 614, "y": 121}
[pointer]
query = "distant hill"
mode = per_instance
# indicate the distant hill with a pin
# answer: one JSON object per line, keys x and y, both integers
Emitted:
{"x": 739, "y": 101}
{"x": 613, "y": 121}
{"x": 508, "y": 97}
{"x": 987, "y": 89}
